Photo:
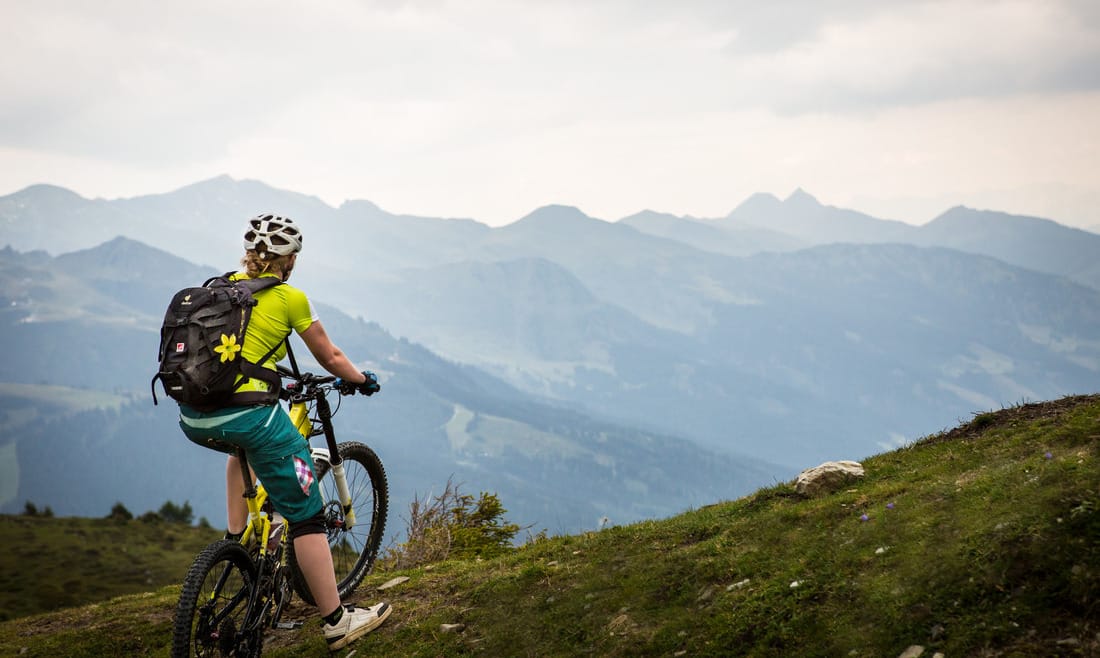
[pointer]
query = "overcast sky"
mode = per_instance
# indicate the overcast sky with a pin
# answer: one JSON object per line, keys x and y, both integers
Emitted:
{"x": 488, "y": 110}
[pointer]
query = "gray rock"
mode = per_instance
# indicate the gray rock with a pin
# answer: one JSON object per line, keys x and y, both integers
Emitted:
{"x": 393, "y": 582}
{"x": 827, "y": 477}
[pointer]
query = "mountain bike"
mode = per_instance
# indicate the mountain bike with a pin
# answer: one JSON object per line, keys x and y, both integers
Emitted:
{"x": 236, "y": 590}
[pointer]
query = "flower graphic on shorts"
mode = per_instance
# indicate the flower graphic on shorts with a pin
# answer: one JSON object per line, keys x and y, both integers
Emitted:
{"x": 229, "y": 347}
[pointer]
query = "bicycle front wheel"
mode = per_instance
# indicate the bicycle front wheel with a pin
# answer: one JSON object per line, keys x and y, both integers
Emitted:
{"x": 354, "y": 548}
{"x": 210, "y": 616}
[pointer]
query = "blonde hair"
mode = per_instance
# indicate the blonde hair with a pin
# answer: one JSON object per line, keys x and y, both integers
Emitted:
{"x": 256, "y": 263}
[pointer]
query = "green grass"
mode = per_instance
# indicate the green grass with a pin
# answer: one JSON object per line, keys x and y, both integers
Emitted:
{"x": 52, "y": 563}
{"x": 982, "y": 541}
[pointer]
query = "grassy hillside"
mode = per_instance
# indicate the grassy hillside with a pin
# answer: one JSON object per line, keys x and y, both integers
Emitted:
{"x": 53, "y": 563}
{"x": 981, "y": 541}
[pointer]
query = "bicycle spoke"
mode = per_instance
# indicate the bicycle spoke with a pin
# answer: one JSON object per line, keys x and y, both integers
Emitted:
{"x": 211, "y": 618}
{"x": 353, "y": 549}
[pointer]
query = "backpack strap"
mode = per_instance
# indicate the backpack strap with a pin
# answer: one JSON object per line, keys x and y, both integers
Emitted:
{"x": 254, "y": 285}
{"x": 293, "y": 362}
{"x": 250, "y": 370}
{"x": 255, "y": 370}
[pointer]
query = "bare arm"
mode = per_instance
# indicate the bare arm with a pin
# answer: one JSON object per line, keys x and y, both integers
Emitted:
{"x": 329, "y": 356}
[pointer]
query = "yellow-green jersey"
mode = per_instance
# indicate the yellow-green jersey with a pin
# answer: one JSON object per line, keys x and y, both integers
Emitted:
{"x": 278, "y": 310}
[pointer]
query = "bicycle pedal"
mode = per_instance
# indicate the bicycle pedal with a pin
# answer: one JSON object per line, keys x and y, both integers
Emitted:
{"x": 288, "y": 625}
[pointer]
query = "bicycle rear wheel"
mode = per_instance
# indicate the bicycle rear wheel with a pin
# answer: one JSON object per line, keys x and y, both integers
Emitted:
{"x": 214, "y": 602}
{"x": 353, "y": 549}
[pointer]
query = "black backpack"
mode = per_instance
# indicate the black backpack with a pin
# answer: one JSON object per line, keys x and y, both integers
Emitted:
{"x": 201, "y": 341}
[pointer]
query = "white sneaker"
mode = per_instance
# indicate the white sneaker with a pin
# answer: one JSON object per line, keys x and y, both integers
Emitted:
{"x": 355, "y": 623}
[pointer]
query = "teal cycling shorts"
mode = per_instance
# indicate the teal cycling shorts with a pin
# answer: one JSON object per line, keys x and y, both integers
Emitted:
{"x": 276, "y": 451}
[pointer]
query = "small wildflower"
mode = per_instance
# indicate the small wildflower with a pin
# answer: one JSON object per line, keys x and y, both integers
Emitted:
{"x": 1049, "y": 456}
{"x": 795, "y": 583}
{"x": 889, "y": 506}
{"x": 864, "y": 517}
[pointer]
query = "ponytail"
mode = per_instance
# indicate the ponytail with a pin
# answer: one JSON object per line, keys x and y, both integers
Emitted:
{"x": 257, "y": 263}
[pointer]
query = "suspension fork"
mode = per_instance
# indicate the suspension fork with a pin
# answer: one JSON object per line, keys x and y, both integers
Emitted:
{"x": 324, "y": 414}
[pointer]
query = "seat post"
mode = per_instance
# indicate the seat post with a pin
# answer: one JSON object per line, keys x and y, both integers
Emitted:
{"x": 246, "y": 474}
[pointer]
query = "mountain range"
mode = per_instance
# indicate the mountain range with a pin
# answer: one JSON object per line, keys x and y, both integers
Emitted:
{"x": 781, "y": 335}
{"x": 80, "y": 332}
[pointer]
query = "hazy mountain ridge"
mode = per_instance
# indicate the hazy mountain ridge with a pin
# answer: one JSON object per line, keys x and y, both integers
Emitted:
{"x": 185, "y": 222}
{"x": 411, "y": 424}
{"x": 851, "y": 333}
{"x": 656, "y": 279}
{"x": 705, "y": 235}
{"x": 798, "y": 353}
{"x": 801, "y": 215}
{"x": 1032, "y": 242}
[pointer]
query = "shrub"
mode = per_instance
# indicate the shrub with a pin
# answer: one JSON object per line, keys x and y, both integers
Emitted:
{"x": 453, "y": 524}
{"x": 120, "y": 513}
{"x": 174, "y": 513}
{"x": 30, "y": 509}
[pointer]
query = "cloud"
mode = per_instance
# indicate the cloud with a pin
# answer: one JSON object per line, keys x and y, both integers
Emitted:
{"x": 492, "y": 107}
{"x": 924, "y": 53}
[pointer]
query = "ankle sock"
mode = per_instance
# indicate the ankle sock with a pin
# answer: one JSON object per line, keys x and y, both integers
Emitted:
{"x": 336, "y": 615}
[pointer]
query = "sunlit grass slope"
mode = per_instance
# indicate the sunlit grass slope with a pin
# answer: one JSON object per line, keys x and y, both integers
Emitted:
{"x": 981, "y": 541}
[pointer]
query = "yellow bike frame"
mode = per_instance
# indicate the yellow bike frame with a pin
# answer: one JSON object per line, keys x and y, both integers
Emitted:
{"x": 299, "y": 417}
{"x": 259, "y": 523}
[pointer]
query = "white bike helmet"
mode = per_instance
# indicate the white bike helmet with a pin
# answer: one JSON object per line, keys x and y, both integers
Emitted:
{"x": 272, "y": 234}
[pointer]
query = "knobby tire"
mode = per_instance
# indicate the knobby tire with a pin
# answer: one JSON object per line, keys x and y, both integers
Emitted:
{"x": 213, "y": 603}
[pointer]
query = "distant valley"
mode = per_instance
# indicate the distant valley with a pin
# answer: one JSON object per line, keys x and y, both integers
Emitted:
{"x": 81, "y": 433}
{"x": 643, "y": 366}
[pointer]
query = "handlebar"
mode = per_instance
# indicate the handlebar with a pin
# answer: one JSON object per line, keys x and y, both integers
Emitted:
{"x": 305, "y": 378}
{"x": 305, "y": 386}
